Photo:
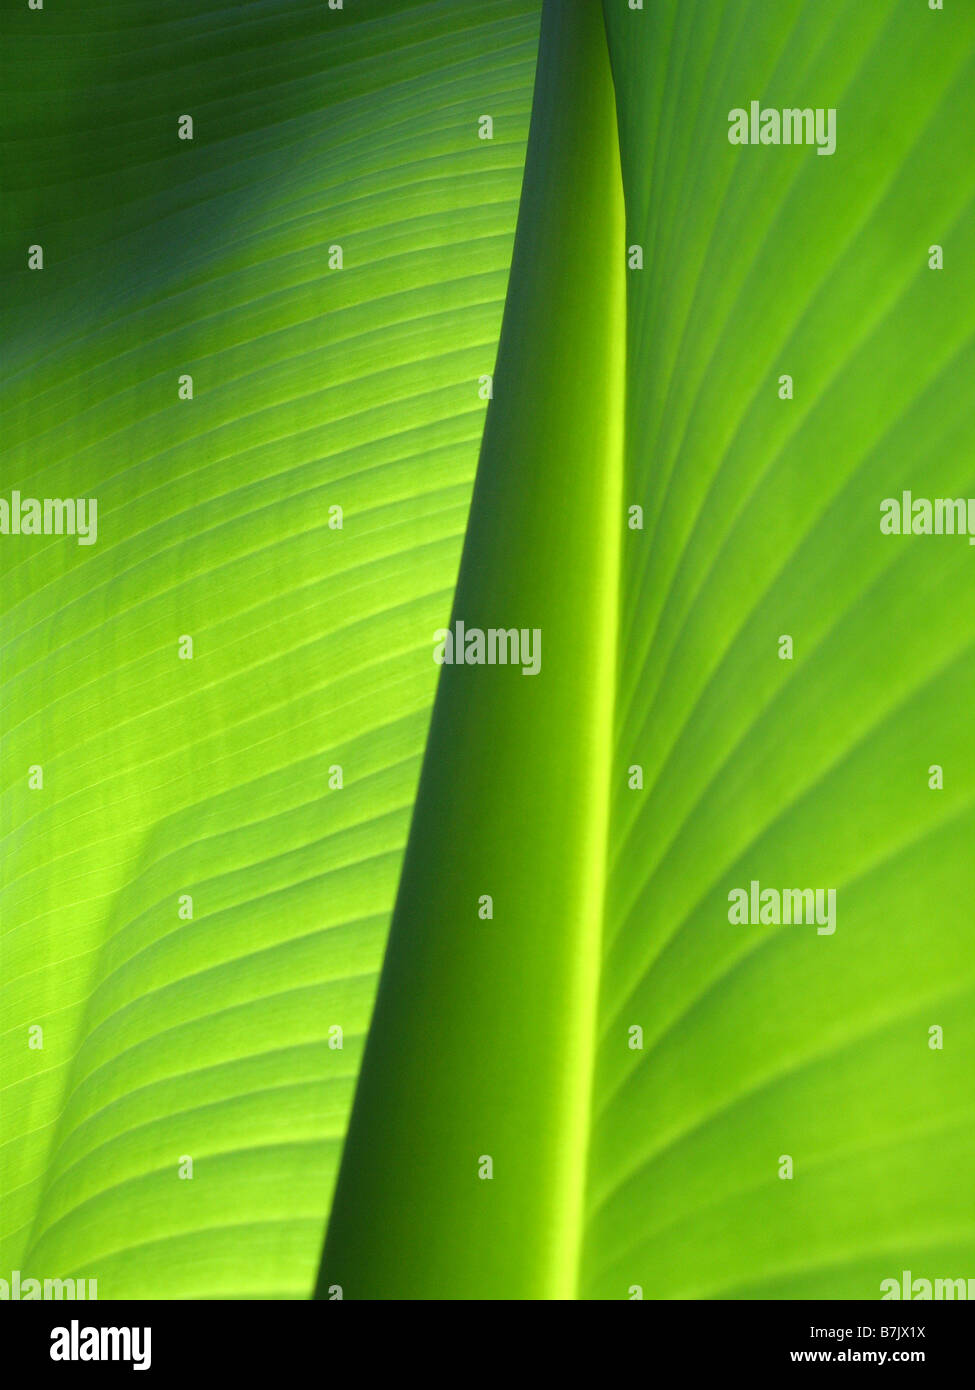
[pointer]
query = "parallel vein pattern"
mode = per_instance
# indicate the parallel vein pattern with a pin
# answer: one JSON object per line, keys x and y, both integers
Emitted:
{"x": 213, "y": 1037}
{"x": 761, "y": 519}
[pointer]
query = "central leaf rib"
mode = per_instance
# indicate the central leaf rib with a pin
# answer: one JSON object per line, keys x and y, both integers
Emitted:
{"x": 483, "y": 1037}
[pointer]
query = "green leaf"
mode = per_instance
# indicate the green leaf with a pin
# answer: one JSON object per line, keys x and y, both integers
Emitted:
{"x": 657, "y": 1171}
{"x": 481, "y": 1043}
{"x": 313, "y": 387}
